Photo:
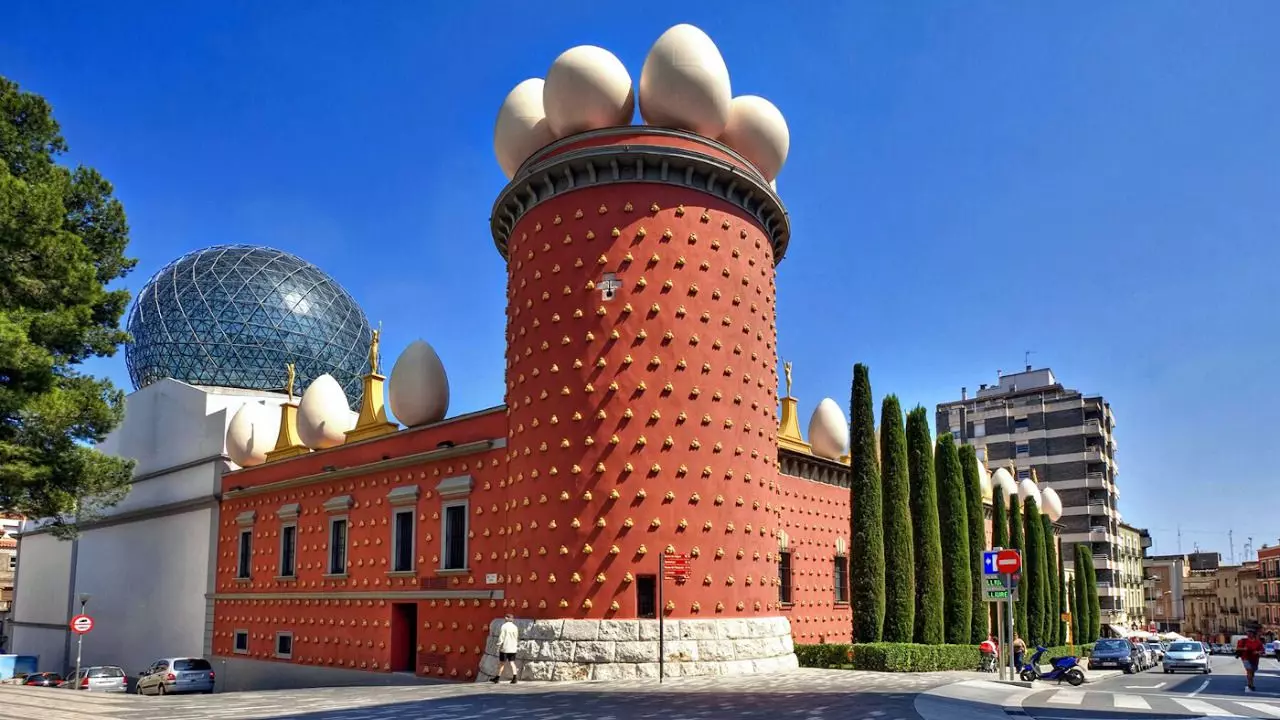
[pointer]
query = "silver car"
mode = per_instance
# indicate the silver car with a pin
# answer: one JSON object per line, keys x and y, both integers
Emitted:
{"x": 176, "y": 675}
{"x": 100, "y": 678}
{"x": 1187, "y": 655}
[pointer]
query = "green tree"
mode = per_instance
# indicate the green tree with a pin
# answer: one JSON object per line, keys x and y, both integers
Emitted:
{"x": 62, "y": 241}
{"x": 977, "y": 540}
{"x": 957, "y": 570}
{"x": 1063, "y": 595}
{"x": 1052, "y": 607}
{"x": 927, "y": 530}
{"x": 1095, "y": 611}
{"x": 899, "y": 558}
{"x": 999, "y": 527}
{"x": 1033, "y": 571}
{"x": 1087, "y": 595}
{"x": 866, "y": 551}
{"x": 1016, "y": 542}
{"x": 1074, "y": 596}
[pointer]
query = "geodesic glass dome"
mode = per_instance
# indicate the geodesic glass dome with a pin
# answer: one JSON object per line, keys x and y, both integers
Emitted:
{"x": 234, "y": 315}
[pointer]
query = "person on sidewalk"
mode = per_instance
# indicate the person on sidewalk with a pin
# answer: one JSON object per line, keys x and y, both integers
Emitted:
{"x": 1250, "y": 650}
{"x": 1019, "y": 650}
{"x": 508, "y": 643}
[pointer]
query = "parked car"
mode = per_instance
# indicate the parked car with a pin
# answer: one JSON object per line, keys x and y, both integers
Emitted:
{"x": 176, "y": 675}
{"x": 43, "y": 679}
{"x": 1156, "y": 650}
{"x": 1145, "y": 659}
{"x": 100, "y": 678}
{"x": 1187, "y": 655}
{"x": 1115, "y": 653}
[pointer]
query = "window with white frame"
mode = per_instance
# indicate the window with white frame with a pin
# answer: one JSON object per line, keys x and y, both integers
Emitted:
{"x": 402, "y": 540}
{"x": 244, "y": 554}
{"x": 284, "y": 645}
{"x": 454, "y": 517}
{"x": 337, "y": 546}
{"x": 289, "y": 551}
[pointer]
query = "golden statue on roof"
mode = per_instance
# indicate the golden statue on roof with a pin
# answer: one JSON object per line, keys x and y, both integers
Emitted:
{"x": 786, "y": 370}
{"x": 288, "y": 367}
{"x": 373, "y": 349}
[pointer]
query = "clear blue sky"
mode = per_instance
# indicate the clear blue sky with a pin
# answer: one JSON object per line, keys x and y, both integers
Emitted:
{"x": 1097, "y": 182}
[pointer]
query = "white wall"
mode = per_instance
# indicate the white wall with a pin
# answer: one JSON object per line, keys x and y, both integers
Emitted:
{"x": 44, "y": 580}
{"x": 148, "y": 582}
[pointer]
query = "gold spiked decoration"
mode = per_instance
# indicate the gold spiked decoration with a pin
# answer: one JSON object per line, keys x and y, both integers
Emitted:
{"x": 789, "y": 429}
{"x": 287, "y": 443}
{"x": 373, "y": 421}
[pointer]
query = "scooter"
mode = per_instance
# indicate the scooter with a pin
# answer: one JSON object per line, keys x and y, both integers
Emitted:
{"x": 1064, "y": 668}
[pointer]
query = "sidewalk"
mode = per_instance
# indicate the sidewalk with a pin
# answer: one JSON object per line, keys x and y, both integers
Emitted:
{"x": 1090, "y": 676}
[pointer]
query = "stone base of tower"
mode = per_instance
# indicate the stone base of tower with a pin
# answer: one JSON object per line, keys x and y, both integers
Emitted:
{"x": 622, "y": 649}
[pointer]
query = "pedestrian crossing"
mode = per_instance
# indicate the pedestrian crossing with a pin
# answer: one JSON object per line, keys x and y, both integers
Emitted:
{"x": 1045, "y": 703}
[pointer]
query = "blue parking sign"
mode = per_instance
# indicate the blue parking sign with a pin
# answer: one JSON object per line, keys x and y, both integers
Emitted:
{"x": 989, "y": 562}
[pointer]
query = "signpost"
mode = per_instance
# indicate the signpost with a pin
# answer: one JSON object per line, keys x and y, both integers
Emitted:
{"x": 670, "y": 567}
{"x": 80, "y": 625}
{"x": 1000, "y": 568}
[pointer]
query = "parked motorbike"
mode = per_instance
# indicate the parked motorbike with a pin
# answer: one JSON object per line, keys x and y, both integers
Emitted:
{"x": 1063, "y": 668}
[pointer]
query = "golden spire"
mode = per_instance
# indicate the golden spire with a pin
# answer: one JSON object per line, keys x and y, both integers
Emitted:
{"x": 292, "y": 375}
{"x": 372, "y": 421}
{"x": 789, "y": 425}
{"x": 373, "y": 349}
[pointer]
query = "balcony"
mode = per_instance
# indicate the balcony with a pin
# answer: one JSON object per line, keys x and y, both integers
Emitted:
{"x": 1093, "y": 427}
{"x": 1094, "y": 454}
{"x": 1103, "y": 562}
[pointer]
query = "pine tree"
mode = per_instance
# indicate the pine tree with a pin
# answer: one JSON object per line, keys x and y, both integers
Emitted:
{"x": 926, "y": 528}
{"x": 1033, "y": 571}
{"x": 1052, "y": 609}
{"x": 1016, "y": 542}
{"x": 957, "y": 569}
{"x": 899, "y": 558}
{"x": 977, "y": 540}
{"x": 866, "y": 551}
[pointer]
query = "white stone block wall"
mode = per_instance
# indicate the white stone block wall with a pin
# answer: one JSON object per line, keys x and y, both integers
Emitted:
{"x": 624, "y": 649}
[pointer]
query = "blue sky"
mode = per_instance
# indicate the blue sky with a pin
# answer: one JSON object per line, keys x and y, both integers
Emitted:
{"x": 1096, "y": 182}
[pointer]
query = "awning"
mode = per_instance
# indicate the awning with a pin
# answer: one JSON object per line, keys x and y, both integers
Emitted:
{"x": 1120, "y": 631}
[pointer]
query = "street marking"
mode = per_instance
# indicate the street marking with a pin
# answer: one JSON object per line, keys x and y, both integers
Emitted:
{"x": 1145, "y": 687}
{"x": 1131, "y": 702}
{"x": 1263, "y": 708}
{"x": 1203, "y": 708}
{"x": 1066, "y": 697}
{"x": 1198, "y": 690}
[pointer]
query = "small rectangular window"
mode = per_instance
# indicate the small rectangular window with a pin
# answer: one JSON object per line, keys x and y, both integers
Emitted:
{"x": 244, "y": 558}
{"x": 241, "y": 642}
{"x": 284, "y": 644}
{"x": 955, "y": 434}
{"x": 402, "y": 541}
{"x": 1024, "y": 474}
{"x": 980, "y": 428}
{"x": 841, "y": 577}
{"x": 13, "y": 562}
{"x": 288, "y": 550}
{"x": 1021, "y": 425}
{"x": 647, "y": 596}
{"x": 784, "y": 578}
{"x": 338, "y": 546}
{"x": 1022, "y": 449}
{"x": 455, "y": 537}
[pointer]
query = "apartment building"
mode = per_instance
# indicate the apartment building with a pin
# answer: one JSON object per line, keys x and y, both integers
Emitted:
{"x": 1164, "y": 584}
{"x": 1235, "y": 586}
{"x": 1130, "y": 576}
{"x": 1269, "y": 587}
{"x": 9, "y": 526}
{"x": 1031, "y": 421}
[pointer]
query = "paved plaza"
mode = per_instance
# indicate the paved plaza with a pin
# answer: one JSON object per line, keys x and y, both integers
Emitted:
{"x": 804, "y": 694}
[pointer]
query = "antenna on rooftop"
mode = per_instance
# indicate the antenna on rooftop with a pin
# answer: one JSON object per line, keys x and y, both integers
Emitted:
{"x": 1026, "y": 358}
{"x": 1231, "y": 546}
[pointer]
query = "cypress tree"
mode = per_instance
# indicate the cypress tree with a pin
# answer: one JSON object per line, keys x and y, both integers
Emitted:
{"x": 899, "y": 558}
{"x": 866, "y": 551}
{"x": 977, "y": 540}
{"x": 1095, "y": 611}
{"x": 1016, "y": 542}
{"x": 957, "y": 569}
{"x": 926, "y": 528}
{"x": 999, "y": 527}
{"x": 1087, "y": 595}
{"x": 1063, "y": 596}
{"x": 1033, "y": 571}
{"x": 1074, "y": 597}
{"x": 1052, "y": 609}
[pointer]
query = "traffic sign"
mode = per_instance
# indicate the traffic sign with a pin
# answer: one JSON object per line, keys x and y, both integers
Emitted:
{"x": 1001, "y": 562}
{"x": 81, "y": 624}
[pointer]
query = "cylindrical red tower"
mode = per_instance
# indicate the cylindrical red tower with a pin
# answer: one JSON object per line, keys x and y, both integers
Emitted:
{"x": 641, "y": 376}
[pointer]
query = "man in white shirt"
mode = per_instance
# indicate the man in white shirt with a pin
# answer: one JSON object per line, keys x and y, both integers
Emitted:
{"x": 508, "y": 643}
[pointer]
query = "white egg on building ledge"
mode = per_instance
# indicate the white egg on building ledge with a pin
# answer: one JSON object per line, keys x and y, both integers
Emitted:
{"x": 522, "y": 127}
{"x": 252, "y": 433}
{"x": 419, "y": 389}
{"x": 1050, "y": 504}
{"x": 828, "y": 430}
{"x": 1028, "y": 490}
{"x": 1004, "y": 482}
{"x": 587, "y": 88}
{"x": 757, "y": 130}
{"x": 684, "y": 83}
{"x": 324, "y": 416}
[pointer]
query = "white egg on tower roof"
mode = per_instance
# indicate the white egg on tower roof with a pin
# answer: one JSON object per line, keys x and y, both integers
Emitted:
{"x": 1050, "y": 504}
{"x": 757, "y": 130}
{"x": 685, "y": 84}
{"x": 984, "y": 480}
{"x": 252, "y": 433}
{"x": 419, "y": 390}
{"x": 587, "y": 88}
{"x": 522, "y": 128}
{"x": 1028, "y": 490}
{"x": 323, "y": 415}
{"x": 828, "y": 430}
{"x": 1002, "y": 480}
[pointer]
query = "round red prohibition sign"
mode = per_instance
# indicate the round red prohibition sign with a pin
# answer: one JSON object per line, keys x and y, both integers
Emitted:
{"x": 1008, "y": 561}
{"x": 81, "y": 624}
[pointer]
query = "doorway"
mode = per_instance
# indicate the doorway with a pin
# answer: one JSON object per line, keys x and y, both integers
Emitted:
{"x": 404, "y": 637}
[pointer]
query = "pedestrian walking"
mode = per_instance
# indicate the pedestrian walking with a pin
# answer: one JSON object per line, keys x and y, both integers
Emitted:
{"x": 1019, "y": 649}
{"x": 508, "y": 643}
{"x": 1250, "y": 650}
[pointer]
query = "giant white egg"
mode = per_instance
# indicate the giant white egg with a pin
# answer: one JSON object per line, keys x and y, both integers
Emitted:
{"x": 252, "y": 433}
{"x": 323, "y": 415}
{"x": 1050, "y": 504}
{"x": 522, "y": 128}
{"x": 419, "y": 391}
{"x": 685, "y": 84}
{"x": 1028, "y": 490}
{"x": 1004, "y": 481}
{"x": 587, "y": 88}
{"x": 984, "y": 479}
{"x": 828, "y": 430}
{"x": 757, "y": 130}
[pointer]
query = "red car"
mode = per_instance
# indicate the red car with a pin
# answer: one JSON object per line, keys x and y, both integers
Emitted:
{"x": 44, "y": 679}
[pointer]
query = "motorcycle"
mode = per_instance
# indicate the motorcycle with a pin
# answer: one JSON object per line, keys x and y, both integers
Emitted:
{"x": 1063, "y": 668}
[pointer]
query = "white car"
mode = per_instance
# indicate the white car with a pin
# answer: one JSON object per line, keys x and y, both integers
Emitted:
{"x": 1187, "y": 655}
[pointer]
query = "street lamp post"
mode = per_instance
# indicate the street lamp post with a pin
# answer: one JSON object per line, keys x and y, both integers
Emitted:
{"x": 84, "y": 600}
